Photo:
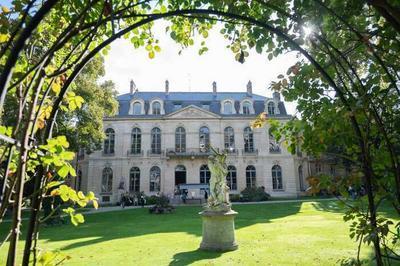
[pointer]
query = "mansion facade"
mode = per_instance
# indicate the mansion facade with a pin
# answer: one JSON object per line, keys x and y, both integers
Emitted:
{"x": 160, "y": 140}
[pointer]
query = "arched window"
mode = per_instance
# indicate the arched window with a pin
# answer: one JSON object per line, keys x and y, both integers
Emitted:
{"x": 156, "y": 108}
{"x": 205, "y": 174}
{"x": 246, "y": 108}
{"x": 180, "y": 139}
{"x": 271, "y": 108}
{"x": 231, "y": 178}
{"x": 136, "y": 141}
{"x": 134, "y": 179}
{"x": 156, "y": 141}
{"x": 274, "y": 146}
{"x": 301, "y": 181}
{"x": 106, "y": 180}
{"x": 229, "y": 139}
{"x": 137, "y": 108}
{"x": 109, "y": 141}
{"x": 250, "y": 176}
{"x": 155, "y": 176}
{"x": 204, "y": 139}
{"x": 277, "y": 177}
{"x": 228, "y": 108}
{"x": 248, "y": 140}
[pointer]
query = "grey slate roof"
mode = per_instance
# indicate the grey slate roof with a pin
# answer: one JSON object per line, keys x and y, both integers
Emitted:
{"x": 193, "y": 98}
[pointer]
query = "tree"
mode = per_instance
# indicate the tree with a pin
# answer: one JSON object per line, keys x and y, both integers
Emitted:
{"x": 84, "y": 126}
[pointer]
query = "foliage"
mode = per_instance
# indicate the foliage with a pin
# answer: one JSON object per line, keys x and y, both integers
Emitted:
{"x": 161, "y": 205}
{"x": 84, "y": 126}
{"x": 254, "y": 194}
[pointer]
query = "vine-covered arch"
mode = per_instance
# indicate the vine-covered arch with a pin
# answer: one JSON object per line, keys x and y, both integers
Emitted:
{"x": 95, "y": 25}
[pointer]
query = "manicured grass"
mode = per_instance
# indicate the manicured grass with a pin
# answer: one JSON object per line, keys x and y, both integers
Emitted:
{"x": 307, "y": 233}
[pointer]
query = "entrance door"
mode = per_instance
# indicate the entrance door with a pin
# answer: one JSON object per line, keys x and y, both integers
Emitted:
{"x": 180, "y": 175}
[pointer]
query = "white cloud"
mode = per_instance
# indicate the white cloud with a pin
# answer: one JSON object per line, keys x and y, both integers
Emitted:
{"x": 189, "y": 71}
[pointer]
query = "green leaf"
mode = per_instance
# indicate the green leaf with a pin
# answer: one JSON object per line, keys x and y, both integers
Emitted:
{"x": 63, "y": 171}
{"x": 151, "y": 55}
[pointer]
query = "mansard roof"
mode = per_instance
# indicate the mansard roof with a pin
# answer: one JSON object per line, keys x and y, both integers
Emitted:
{"x": 194, "y": 98}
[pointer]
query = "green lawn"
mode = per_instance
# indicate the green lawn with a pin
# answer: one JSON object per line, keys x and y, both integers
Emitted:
{"x": 308, "y": 233}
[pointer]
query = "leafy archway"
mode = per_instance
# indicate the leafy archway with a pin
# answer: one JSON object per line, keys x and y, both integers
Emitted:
{"x": 45, "y": 46}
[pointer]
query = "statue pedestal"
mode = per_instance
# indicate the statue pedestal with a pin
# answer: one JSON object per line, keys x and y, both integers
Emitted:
{"x": 218, "y": 230}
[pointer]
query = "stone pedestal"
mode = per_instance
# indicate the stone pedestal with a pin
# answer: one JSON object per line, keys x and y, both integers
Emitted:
{"x": 218, "y": 230}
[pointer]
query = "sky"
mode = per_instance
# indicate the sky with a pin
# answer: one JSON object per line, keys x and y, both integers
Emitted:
{"x": 190, "y": 71}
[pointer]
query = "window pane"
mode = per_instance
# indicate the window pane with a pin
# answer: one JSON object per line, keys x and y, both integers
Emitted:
{"x": 248, "y": 140}
{"x": 137, "y": 108}
{"x": 156, "y": 108}
{"x": 228, "y": 108}
{"x": 204, "y": 139}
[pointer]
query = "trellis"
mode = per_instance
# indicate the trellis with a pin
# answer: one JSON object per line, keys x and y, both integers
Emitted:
{"x": 109, "y": 14}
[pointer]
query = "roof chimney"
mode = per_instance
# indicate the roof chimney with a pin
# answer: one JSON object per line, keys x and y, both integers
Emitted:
{"x": 249, "y": 88}
{"x": 214, "y": 86}
{"x": 133, "y": 87}
{"x": 277, "y": 96}
{"x": 166, "y": 86}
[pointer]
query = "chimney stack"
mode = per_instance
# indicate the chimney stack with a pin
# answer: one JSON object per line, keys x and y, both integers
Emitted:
{"x": 133, "y": 87}
{"x": 249, "y": 88}
{"x": 166, "y": 86}
{"x": 214, "y": 86}
{"x": 276, "y": 96}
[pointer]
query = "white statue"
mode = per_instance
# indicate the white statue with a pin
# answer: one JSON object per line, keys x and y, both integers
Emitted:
{"x": 219, "y": 191}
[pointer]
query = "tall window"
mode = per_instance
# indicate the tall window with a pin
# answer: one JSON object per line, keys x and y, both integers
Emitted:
{"x": 248, "y": 140}
{"x": 155, "y": 176}
{"x": 246, "y": 108}
{"x": 106, "y": 181}
{"x": 277, "y": 177}
{"x": 204, "y": 138}
{"x": 250, "y": 176}
{"x": 134, "y": 180}
{"x": 180, "y": 139}
{"x": 229, "y": 138}
{"x": 301, "y": 181}
{"x": 109, "y": 141}
{"x": 231, "y": 177}
{"x": 318, "y": 168}
{"x": 271, "y": 108}
{"x": 137, "y": 108}
{"x": 136, "y": 141}
{"x": 156, "y": 108}
{"x": 228, "y": 107}
{"x": 205, "y": 174}
{"x": 274, "y": 146}
{"x": 156, "y": 141}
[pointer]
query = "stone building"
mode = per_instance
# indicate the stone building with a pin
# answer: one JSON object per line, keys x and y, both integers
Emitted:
{"x": 159, "y": 140}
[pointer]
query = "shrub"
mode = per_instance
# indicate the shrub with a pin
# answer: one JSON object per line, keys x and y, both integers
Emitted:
{"x": 234, "y": 197}
{"x": 161, "y": 205}
{"x": 254, "y": 194}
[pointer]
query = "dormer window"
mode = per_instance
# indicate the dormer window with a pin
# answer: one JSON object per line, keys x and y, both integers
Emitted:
{"x": 246, "y": 109}
{"x": 205, "y": 106}
{"x": 228, "y": 108}
{"x": 156, "y": 107}
{"x": 137, "y": 108}
{"x": 271, "y": 108}
{"x": 177, "y": 106}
